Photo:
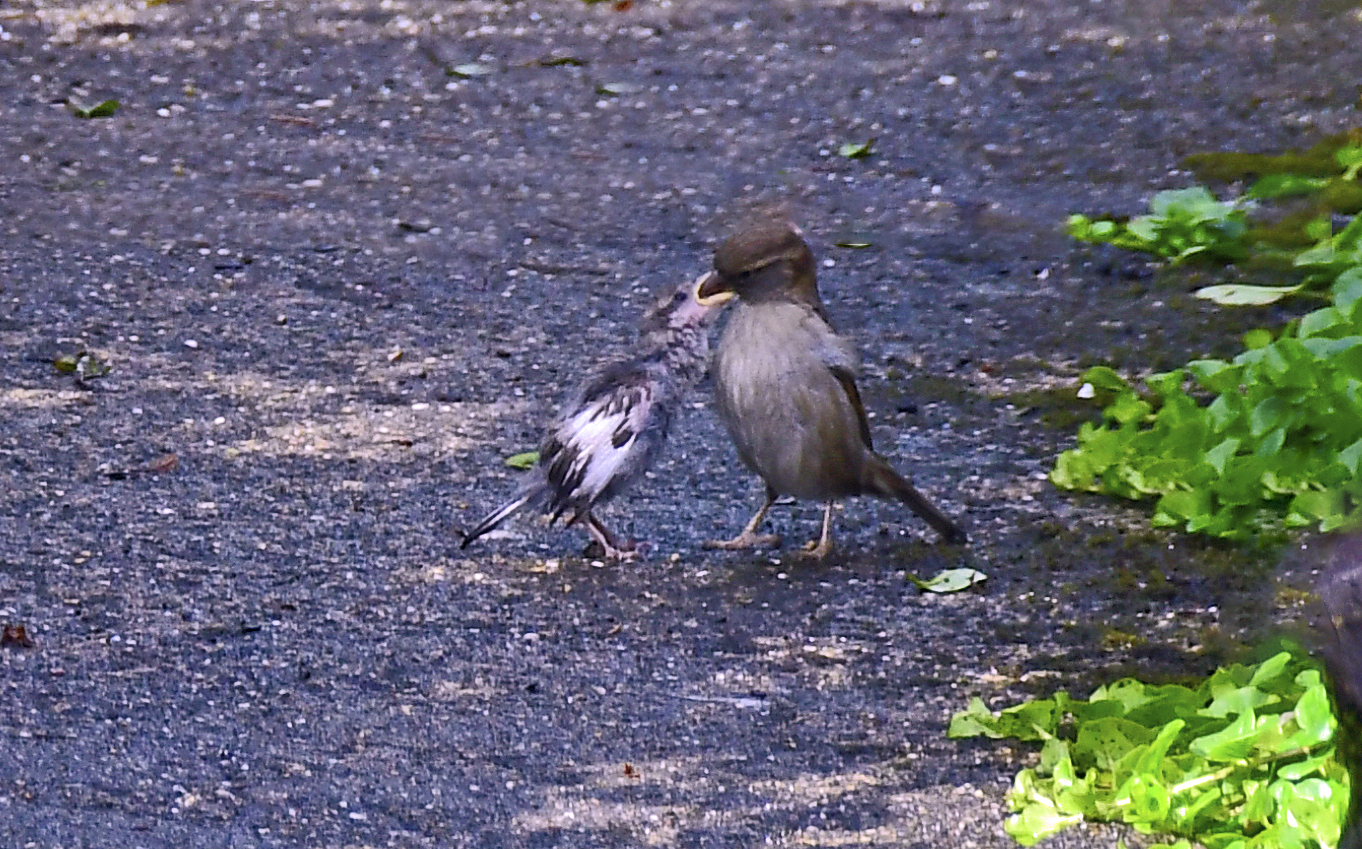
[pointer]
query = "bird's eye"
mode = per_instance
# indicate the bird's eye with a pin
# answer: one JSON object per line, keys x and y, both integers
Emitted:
{"x": 679, "y": 297}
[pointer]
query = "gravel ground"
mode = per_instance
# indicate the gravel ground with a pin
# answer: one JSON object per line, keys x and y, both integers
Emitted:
{"x": 345, "y": 257}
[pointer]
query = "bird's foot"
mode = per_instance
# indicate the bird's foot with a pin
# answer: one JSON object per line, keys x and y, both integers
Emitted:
{"x": 746, "y": 539}
{"x": 622, "y": 551}
{"x": 610, "y": 546}
{"x": 817, "y": 549}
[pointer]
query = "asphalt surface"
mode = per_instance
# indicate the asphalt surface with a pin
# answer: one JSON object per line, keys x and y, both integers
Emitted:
{"x": 343, "y": 258}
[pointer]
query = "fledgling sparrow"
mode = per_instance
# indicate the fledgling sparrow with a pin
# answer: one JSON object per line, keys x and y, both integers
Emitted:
{"x": 615, "y": 423}
{"x": 786, "y": 387}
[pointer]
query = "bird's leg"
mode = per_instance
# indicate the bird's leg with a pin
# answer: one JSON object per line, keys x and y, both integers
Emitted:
{"x": 749, "y": 538}
{"x": 615, "y": 549}
{"x": 821, "y": 547}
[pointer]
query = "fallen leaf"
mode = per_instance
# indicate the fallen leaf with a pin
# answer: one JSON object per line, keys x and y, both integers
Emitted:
{"x": 853, "y": 150}
{"x": 615, "y": 89}
{"x": 950, "y": 581}
{"x": 16, "y": 637}
{"x": 469, "y": 70}
{"x": 99, "y": 110}
{"x": 1245, "y": 295}
{"x": 164, "y": 463}
{"x": 555, "y": 61}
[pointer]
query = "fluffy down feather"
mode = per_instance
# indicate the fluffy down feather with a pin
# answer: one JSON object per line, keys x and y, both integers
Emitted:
{"x": 616, "y": 422}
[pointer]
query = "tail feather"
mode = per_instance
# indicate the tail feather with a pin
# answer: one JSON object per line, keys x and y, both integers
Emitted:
{"x": 887, "y": 483}
{"x": 502, "y": 513}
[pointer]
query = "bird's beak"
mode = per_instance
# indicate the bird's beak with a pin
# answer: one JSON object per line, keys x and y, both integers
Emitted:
{"x": 712, "y": 290}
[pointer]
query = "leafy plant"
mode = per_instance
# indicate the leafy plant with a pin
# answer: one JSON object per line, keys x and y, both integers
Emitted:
{"x": 1190, "y": 223}
{"x": 1282, "y": 431}
{"x": 1245, "y": 760}
{"x": 1274, "y": 433}
{"x": 1182, "y": 223}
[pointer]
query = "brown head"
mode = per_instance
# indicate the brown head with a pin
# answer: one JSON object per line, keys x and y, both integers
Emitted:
{"x": 768, "y": 261}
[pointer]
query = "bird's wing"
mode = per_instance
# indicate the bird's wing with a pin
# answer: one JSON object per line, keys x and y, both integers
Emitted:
{"x": 602, "y": 441}
{"x": 839, "y": 356}
{"x": 848, "y": 381}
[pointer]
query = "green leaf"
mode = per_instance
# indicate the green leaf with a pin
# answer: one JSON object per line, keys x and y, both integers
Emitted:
{"x": 618, "y": 88}
{"x": 1105, "y": 742}
{"x": 1320, "y": 321}
{"x": 974, "y": 721}
{"x": 1351, "y": 160}
{"x": 1284, "y": 185}
{"x": 469, "y": 70}
{"x": 1221, "y": 454}
{"x": 99, "y": 110}
{"x": 1167, "y": 383}
{"x": 1216, "y": 375}
{"x": 1347, "y": 291}
{"x": 1236, "y": 701}
{"x": 855, "y": 150}
{"x": 1104, "y": 378}
{"x": 950, "y": 581}
{"x": 524, "y": 460}
{"x": 1149, "y": 799}
{"x": 1245, "y": 295}
{"x": 1267, "y": 414}
{"x": 1150, "y": 759}
{"x": 1196, "y": 202}
{"x": 1038, "y": 821}
{"x": 1128, "y": 408}
{"x": 1257, "y": 338}
{"x": 1270, "y": 669}
{"x": 557, "y": 61}
{"x": 1234, "y": 742}
{"x": 1351, "y": 458}
{"x": 1310, "y": 767}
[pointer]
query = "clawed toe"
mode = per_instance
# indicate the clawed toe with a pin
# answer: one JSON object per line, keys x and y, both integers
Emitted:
{"x": 623, "y": 551}
{"x": 817, "y": 549}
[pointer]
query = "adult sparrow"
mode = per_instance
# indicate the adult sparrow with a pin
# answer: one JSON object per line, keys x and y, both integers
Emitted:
{"x": 616, "y": 422}
{"x": 1340, "y": 593}
{"x": 786, "y": 387}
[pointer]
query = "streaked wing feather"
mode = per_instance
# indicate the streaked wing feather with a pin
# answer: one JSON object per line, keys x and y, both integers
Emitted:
{"x": 591, "y": 453}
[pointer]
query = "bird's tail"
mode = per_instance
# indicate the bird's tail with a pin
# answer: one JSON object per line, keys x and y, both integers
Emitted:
{"x": 502, "y": 513}
{"x": 883, "y": 481}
